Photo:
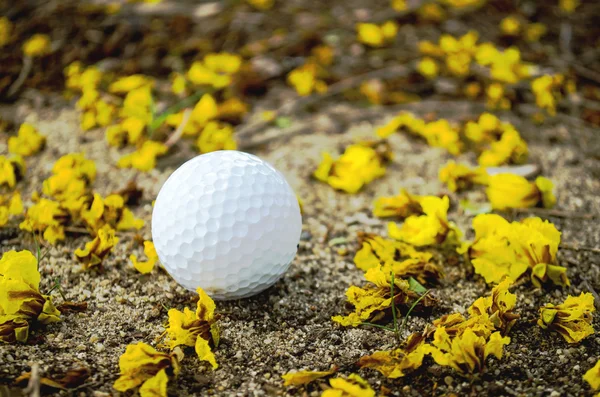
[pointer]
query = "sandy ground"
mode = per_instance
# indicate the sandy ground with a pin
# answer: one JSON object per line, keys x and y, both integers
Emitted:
{"x": 288, "y": 326}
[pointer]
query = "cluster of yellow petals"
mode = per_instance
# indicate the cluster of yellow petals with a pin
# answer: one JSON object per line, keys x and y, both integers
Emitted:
{"x": 196, "y": 329}
{"x": 147, "y": 266}
{"x": 458, "y": 342}
{"x": 549, "y": 90}
{"x": 216, "y": 70}
{"x": 72, "y": 175}
{"x": 10, "y": 206}
{"x": 96, "y": 250}
{"x": 459, "y": 177}
{"x": 395, "y": 256}
{"x": 499, "y": 142}
{"x": 111, "y": 211}
{"x": 375, "y": 35}
{"x": 144, "y": 158}
{"x": 398, "y": 362}
{"x": 86, "y": 81}
{"x": 47, "y": 218}
{"x": 308, "y": 78}
{"x": 373, "y": 301}
{"x": 12, "y": 170}
{"x": 144, "y": 366}
{"x": 502, "y": 249}
{"x": 401, "y": 206}
{"x": 360, "y": 164}
{"x": 430, "y": 228}
{"x": 21, "y": 302}
{"x": 514, "y": 191}
{"x": 572, "y": 319}
{"x": 437, "y": 133}
{"x": 27, "y": 142}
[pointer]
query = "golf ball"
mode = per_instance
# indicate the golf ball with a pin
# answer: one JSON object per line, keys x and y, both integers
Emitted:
{"x": 227, "y": 222}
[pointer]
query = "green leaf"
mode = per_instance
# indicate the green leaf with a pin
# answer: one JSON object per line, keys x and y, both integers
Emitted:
{"x": 416, "y": 286}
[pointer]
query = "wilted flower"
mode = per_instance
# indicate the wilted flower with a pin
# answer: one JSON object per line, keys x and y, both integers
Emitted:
{"x": 572, "y": 318}
{"x": 21, "y": 302}
{"x": 143, "y": 365}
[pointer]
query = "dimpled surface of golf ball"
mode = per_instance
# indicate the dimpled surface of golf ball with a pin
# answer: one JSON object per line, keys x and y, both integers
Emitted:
{"x": 227, "y": 222}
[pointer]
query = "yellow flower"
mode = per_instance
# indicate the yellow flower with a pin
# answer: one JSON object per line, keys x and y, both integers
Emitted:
{"x": 395, "y": 256}
{"x": 460, "y": 177}
{"x": 12, "y": 170}
{"x": 441, "y": 133}
{"x": 300, "y": 378}
{"x": 37, "y": 45}
{"x": 428, "y": 229}
{"x": 370, "y": 34}
{"x": 359, "y": 165}
{"x": 508, "y": 250}
{"x": 216, "y": 70}
{"x": 20, "y": 300}
{"x": 126, "y": 84}
{"x": 48, "y": 217}
{"x": 77, "y": 163}
{"x": 513, "y": 191}
{"x": 428, "y": 68}
{"x": 96, "y": 250}
{"x": 497, "y": 308}
{"x": 145, "y": 267}
{"x": 592, "y": 376}
{"x": 188, "y": 327}
{"x": 535, "y": 31}
{"x": 466, "y": 353}
{"x": 143, "y": 365}
{"x": 568, "y": 6}
{"x": 396, "y": 363}
{"x": 510, "y": 26}
{"x": 354, "y": 386}
{"x": 305, "y": 79}
{"x": 27, "y": 142}
{"x": 510, "y": 149}
{"x": 216, "y": 136}
{"x": 376, "y": 35}
{"x": 137, "y": 105}
{"x": 143, "y": 159}
{"x": 547, "y": 91}
{"x": 111, "y": 211}
{"x": 261, "y": 5}
{"x": 402, "y": 206}
{"x": 374, "y": 300}
{"x": 572, "y": 318}
{"x": 6, "y": 28}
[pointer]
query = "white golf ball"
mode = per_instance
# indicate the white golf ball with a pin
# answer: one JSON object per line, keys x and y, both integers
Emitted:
{"x": 227, "y": 222}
